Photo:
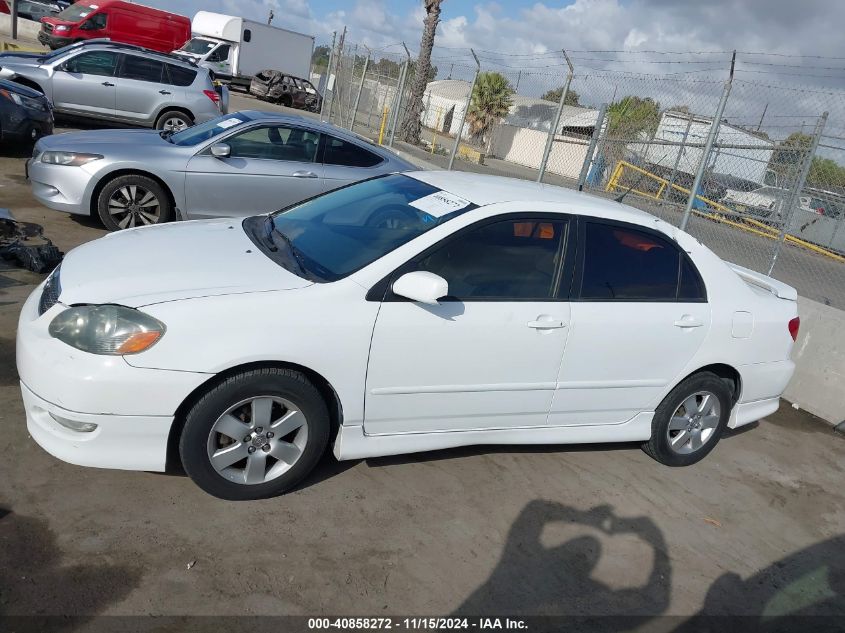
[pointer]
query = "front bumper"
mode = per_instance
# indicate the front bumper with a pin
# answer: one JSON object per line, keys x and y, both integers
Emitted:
{"x": 60, "y": 187}
{"x": 133, "y": 408}
{"x": 22, "y": 122}
{"x": 53, "y": 41}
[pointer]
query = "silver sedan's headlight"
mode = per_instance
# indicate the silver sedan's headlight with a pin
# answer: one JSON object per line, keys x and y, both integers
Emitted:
{"x": 72, "y": 159}
{"x": 107, "y": 329}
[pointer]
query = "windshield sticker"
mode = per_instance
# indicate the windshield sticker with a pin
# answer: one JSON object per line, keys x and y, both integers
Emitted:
{"x": 84, "y": 14}
{"x": 440, "y": 203}
{"x": 227, "y": 123}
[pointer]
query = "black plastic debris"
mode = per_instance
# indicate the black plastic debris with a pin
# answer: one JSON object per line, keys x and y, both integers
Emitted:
{"x": 24, "y": 244}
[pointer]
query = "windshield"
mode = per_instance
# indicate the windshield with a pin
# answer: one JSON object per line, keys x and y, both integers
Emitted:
{"x": 198, "y": 46}
{"x": 335, "y": 234}
{"x": 75, "y": 13}
{"x": 208, "y": 130}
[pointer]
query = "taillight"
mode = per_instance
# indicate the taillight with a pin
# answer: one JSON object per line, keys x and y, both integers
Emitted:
{"x": 212, "y": 94}
{"x": 794, "y": 324}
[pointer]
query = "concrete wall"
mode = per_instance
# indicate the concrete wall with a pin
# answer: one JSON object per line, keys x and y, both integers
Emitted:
{"x": 27, "y": 29}
{"x": 525, "y": 146}
{"x": 818, "y": 385}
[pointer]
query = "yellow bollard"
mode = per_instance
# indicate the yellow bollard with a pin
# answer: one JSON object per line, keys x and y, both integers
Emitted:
{"x": 383, "y": 124}
{"x": 434, "y": 136}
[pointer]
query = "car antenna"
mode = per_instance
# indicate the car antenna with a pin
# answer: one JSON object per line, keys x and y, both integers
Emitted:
{"x": 639, "y": 180}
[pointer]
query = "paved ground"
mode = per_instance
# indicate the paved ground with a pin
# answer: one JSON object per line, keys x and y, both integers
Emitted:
{"x": 758, "y": 527}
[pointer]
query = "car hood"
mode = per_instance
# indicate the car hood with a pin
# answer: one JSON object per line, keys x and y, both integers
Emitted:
{"x": 170, "y": 262}
{"x": 750, "y": 198}
{"x": 11, "y": 61}
{"x": 73, "y": 140}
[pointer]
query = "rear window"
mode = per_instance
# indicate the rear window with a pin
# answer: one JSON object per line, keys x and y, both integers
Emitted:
{"x": 180, "y": 76}
{"x": 141, "y": 69}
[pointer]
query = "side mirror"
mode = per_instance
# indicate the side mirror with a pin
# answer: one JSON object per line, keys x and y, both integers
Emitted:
{"x": 221, "y": 150}
{"x": 421, "y": 286}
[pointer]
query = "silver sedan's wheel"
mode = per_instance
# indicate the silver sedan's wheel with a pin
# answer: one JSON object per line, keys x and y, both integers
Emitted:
{"x": 694, "y": 422}
{"x": 134, "y": 205}
{"x": 257, "y": 440}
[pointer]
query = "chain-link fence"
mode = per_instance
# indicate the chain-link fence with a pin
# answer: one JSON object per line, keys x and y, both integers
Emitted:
{"x": 755, "y": 171}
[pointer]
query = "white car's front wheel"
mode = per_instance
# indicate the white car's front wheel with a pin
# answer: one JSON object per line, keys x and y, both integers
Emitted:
{"x": 255, "y": 434}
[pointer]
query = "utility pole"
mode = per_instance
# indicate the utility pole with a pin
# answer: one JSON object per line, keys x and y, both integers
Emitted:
{"x": 14, "y": 17}
{"x": 270, "y": 17}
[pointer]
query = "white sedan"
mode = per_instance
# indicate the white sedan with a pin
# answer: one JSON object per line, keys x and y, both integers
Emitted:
{"x": 405, "y": 313}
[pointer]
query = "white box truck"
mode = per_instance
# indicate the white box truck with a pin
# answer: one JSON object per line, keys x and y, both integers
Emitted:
{"x": 235, "y": 49}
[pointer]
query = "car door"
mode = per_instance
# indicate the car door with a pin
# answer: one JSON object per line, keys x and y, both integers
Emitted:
{"x": 269, "y": 167}
{"x": 346, "y": 162}
{"x": 488, "y": 355}
{"x": 639, "y": 315}
{"x": 141, "y": 88}
{"x": 85, "y": 84}
{"x": 218, "y": 60}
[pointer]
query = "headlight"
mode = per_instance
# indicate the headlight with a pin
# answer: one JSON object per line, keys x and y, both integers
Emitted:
{"x": 61, "y": 27}
{"x": 16, "y": 98}
{"x": 107, "y": 329}
{"x": 74, "y": 159}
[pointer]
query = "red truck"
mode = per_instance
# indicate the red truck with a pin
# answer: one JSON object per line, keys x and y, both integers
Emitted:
{"x": 119, "y": 21}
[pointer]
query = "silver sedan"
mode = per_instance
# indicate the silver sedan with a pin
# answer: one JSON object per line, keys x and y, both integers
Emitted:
{"x": 238, "y": 164}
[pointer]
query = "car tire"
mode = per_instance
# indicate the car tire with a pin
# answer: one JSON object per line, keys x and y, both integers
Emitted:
{"x": 688, "y": 423}
{"x": 296, "y": 410}
{"x": 124, "y": 203}
{"x": 173, "y": 120}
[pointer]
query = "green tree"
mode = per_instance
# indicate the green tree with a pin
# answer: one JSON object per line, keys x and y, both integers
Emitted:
{"x": 572, "y": 97}
{"x": 491, "y": 100}
{"x": 632, "y": 116}
{"x": 411, "y": 126}
{"x": 825, "y": 173}
{"x": 320, "y": 56}
{"x": 788, "y": 155}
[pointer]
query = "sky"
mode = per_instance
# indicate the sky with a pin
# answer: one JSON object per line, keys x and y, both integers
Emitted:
{"x": 781, "y": 42}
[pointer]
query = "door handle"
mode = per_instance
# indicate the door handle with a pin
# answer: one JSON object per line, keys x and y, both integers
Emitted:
{"x": 546, "y": 324}
{"x": 687, "y": 321}
{"x": 304, "y": 174}
{"x": 163, "y": 92}
{"x": 108, "y": 83}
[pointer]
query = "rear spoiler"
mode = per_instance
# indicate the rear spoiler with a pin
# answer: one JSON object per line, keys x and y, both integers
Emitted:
{"x": 777, "y": 288}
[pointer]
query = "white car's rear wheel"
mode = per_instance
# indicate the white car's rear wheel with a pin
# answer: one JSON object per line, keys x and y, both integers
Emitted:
{"x": 690, "y": 420}
{"x": 255, "y": 435}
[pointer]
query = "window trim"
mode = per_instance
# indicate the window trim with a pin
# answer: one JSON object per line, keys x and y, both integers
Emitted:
{"x": 578, "y": 276}
{"x": 382, "y": 291}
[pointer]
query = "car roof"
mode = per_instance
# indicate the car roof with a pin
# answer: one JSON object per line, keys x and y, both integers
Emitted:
{"x": 485, "y": 189}
{"x": 140, "y": 50}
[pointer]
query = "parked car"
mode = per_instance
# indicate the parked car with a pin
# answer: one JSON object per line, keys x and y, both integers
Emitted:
{"x": 31, "y": 9}
{"x": 235, "y": 165}
{"x": 120, "y": 21}
{"x": 111, "y": 82}
{"x": 409, "y": 312}
{"x": 25, "y": 115}
{"x": 292, "y": 92}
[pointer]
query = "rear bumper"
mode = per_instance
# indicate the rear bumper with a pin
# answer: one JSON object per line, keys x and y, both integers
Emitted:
{"x": 762, "y": 386}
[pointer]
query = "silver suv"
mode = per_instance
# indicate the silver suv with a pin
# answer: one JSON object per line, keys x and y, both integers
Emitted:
{"x": 118, "y": 83}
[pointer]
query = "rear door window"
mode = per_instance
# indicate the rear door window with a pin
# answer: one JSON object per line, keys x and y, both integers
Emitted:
{"x": 348, "y": 154}
{"x": 622, "y": 263}
{"x": 141, "y": 69}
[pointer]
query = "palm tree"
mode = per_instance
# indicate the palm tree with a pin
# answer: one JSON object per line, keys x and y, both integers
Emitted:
{"x": 491, "y": 101}
{"x": 411, "y": 128}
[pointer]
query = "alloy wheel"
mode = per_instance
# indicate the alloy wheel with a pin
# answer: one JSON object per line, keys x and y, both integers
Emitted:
{"x": 174, "y": 124}
{"x": 133, "y": 205}
{"x": 694, "y": 422}
{"x": 257, "y": 440}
